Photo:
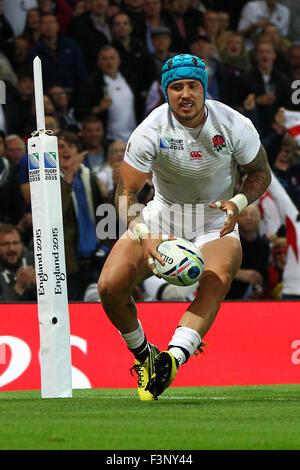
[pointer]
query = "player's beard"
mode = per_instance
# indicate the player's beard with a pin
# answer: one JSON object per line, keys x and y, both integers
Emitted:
{"x": 187, "y": 118}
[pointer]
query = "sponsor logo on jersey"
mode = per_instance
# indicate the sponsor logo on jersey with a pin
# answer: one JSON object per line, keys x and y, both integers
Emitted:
{"x": 172, "y": 144}
{"x": 196, "y": 155}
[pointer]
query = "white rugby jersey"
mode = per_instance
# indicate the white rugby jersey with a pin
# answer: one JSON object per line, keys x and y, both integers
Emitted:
{"x": 193, "y": 166}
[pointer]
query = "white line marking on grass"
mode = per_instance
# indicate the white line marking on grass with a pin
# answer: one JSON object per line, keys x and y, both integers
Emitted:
{"x": 111, "y": 397}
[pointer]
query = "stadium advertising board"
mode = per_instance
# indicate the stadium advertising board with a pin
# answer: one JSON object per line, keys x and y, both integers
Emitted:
{"x": 250, "y": 343}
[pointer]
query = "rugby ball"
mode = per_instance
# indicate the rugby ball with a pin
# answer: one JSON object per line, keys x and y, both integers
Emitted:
{"x": 184, "y": 262}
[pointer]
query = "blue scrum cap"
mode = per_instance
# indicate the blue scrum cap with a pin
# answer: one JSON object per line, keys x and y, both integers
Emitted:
{"x": 182, "y": 67}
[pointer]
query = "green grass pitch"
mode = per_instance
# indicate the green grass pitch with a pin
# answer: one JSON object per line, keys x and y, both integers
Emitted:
{"x": 211, "y": 418}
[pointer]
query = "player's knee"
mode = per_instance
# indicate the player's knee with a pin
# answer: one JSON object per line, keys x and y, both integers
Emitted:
{"x": 103, "y": 289}
{"x": 226, "y": 280}
{"x": 218, "y": 282}
{"x": 113, "y": 286}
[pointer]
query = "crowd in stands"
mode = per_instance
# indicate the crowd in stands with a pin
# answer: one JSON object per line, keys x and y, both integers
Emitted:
{"x": 101, "y": 63}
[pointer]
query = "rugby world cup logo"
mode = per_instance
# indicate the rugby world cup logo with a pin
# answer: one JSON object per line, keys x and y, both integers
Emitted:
{"x": 34, "y": 163}
{"x": 50, "y": 159}
{"x": 34, "y": 167}
{"x": 50, "y": 162}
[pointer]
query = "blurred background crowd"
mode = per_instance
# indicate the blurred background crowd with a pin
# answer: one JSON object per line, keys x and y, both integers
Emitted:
{"x": 101, "y": 63}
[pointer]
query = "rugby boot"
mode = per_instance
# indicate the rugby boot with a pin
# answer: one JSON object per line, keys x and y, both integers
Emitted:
{"x": 144, "y": 372}
{"x": 165, "y": 370}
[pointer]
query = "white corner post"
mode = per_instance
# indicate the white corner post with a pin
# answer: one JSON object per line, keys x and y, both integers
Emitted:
{"x": 49, "y": 253}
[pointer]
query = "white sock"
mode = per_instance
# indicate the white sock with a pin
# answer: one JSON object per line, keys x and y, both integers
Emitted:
{"x": 178, "y": 354}
{"x": 184, "y": 343}
{"x": 136, "y": 340}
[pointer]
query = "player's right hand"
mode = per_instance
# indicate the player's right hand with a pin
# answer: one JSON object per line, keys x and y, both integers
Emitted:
{"x": 150, "y": 244}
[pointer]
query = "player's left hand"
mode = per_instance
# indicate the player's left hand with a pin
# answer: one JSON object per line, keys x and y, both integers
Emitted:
{"x": 231, "y": 211}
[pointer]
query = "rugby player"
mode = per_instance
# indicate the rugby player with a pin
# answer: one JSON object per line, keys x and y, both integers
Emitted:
{"x": 192, "y": 146}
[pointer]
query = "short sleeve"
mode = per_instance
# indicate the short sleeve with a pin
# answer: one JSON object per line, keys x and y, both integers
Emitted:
{"x": 140, "y": 151}
{"x": 246, "y": 141}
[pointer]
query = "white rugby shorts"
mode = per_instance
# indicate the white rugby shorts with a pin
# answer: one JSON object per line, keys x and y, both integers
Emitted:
{"x": 184, "y": 223}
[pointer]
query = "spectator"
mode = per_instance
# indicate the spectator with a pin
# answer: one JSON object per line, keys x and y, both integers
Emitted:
{"x": 236, "y": 61}
{"x": 218, "y": 79}
{"x": 287, "y": 172}
{"x": 79, "y": 7}
{"x": 19, "y": 49}
{"x": 15, "y": 148}
{"x": 10, "y": 118}
{"x": 30, "y": 123}
{"x": 91, "y": 31}
{"x": 49, "y": 107}
{"x": 15, "y": 13}
{"x": 61, "y": 57}
{"x": 294, "y": 55}
{"x": 270, "y": 222}
{"x": 25, "y": 88}
{"x": 161, "y": 38}
{"x": 60, "y": 8}
{"x": 183, "y": 22}
{"x": 233, "y": 7}
{"x": 7, "y": 72}
{"x": 80, "y": 198}
{"x": 92, "y": 137}
{"x": 282, "y": 163}
{"x": 6, "y": 31}
{"x": 212, "y": 27}
{"x": 281, "y": 46}
{"x": 17, "y": 274}
{"x": 256, "y": 14}
{"x": 110, "y": 95}
{"x": 64, "y": 112}
{"x": 113, "y": 9}
{"x": 134, "y": 56}
{"x": 52, "y": 123}
{"x": 109, "y": 174}
{"x": 12, "y": 203}
{"x": 252, "y": 277}
{"x": 224, "y": 21}
{"x": 270, "y": 87}
{"x": 32, "y": 29}
{"x": 134, "y": 9}
{"x": 153, "y": 17}
{"x": 294, "y": 8}
{"x": 276, "y": 268}
{"x": 155, "y": 97}
{"x": 196, "y": 4}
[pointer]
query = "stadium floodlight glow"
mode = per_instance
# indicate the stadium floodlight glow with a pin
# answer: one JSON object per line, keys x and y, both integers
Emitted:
{"x": 49, "y": 253}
